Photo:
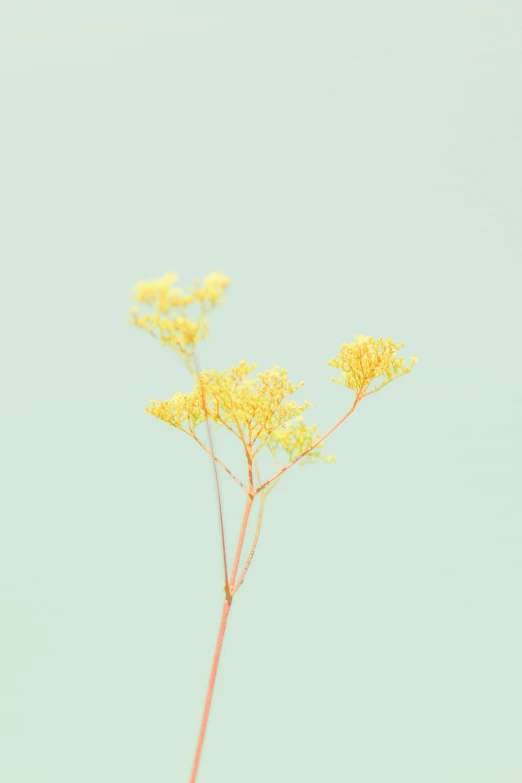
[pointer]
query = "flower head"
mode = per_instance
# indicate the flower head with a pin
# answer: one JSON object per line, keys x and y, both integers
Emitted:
{"x": 169, "y": 321}
{"x": 253, "y": 409}
{"x": 366, "y": 359}
{"x": 294, "y": 437}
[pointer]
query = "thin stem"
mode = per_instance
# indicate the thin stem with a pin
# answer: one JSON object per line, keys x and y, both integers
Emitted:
{"x": 256, "y": 536}
{"x": 193, "y": 435}
{"x": 367, "y": 394}
{"x": 246, "y": 514}
{"x": 224, "y": 617}
{"x": 218, "y": 491}
{"x": 210, "y": 689}
{"x": 313, "y": 446}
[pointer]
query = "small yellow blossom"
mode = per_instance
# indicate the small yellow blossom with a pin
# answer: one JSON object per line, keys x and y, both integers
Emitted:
{"x": 213, "y": 287}
{"x": 170, "y": 323}
{"x": 180, "y": 409}
{"x": 366, "y": 359}
{"x": 294, "y": 438}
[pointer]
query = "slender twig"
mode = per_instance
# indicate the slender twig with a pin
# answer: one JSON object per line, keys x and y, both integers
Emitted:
{"x": 216, "y": 477}
{"x": 210, "y": 689}
{"x": 313, "y": 446}
{"x": 367, "y": 393}
{"x": 264, "y": 496}
{"x": 217, "y": 460}
{"x": 248, "y": 508}
{"x": 221, "y": 633}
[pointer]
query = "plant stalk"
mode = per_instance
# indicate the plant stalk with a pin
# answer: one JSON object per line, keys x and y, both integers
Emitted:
{"x": 210, "y": 689}
{"x": 229, "y": 590}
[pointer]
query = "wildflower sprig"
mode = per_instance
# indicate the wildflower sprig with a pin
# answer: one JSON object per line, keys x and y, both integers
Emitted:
{"x": 257, "y": 410}
{"x": 169, "y": 322}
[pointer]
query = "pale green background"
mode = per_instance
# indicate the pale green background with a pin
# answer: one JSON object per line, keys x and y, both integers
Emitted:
{"x": 353, "y": 168}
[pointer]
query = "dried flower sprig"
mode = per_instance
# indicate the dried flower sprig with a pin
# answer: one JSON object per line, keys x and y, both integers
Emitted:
{"x": 257, "y": 410}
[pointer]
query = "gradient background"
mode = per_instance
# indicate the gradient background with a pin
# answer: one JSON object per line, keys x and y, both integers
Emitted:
{"x": 354, "y": 168}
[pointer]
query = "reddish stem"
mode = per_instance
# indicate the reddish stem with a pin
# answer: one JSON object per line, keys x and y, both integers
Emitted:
{"x": 210, "y": 689}
{"x": 358, "y": 398}
{"x": 241, "y": 540}
{"x": 222, "y": 627}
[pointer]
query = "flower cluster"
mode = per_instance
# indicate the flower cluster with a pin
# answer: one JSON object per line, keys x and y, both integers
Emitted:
{"x": 367, "y": 359}
{"x": 294, "y": 438}
{"x": 254, "y": 409}
{"x": 179, "y": 410}
{"x": 169, "y": 321}
{"x": 251, "y": 408}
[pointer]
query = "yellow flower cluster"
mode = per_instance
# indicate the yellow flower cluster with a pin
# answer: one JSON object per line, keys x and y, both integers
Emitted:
{"x": 179, "y": 409}
{"x": 256, "y": 410}
{"x": 253, "y": 409}
{"x": 294, "y": 438}
{"x": 367, "y": 359}
{"x": 169, "y": 323}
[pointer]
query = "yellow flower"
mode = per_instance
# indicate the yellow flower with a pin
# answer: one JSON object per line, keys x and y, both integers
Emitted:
{"x": 294, "y": 438}
{"x": 180, "y": 409}
{"x": 170, "y": 323}
{"x": 365, "y": 360}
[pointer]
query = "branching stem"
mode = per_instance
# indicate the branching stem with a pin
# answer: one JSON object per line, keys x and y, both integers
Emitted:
{"x": 258, "y": 531}
{"x": 279, "y": 473}
{"x": 222, "y": 464}
{"x": 224, "y": 617}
